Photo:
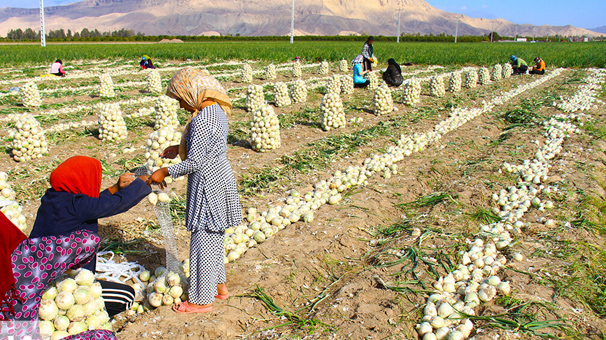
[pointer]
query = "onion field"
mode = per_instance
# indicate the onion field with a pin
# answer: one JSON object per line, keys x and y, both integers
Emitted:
{"x": 466, "y": 203}
{"x": 589, "y": 54}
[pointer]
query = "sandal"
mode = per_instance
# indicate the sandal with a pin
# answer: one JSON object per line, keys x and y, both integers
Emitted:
{"x": 222, "y": 296}
{"x": 185, "y": 307}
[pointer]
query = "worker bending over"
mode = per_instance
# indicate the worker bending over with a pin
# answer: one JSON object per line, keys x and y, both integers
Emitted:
{"x": 539, "y": 68}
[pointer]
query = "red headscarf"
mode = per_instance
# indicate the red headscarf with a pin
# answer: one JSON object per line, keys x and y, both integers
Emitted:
{"x": 78, "y": 175}
{"x": 10, "y": 238}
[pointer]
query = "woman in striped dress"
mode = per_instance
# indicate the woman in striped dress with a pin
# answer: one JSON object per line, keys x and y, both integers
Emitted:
{"x": 212, "y": 196}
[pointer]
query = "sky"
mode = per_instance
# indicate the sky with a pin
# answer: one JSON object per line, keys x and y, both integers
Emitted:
{"x": 580, "y": 13}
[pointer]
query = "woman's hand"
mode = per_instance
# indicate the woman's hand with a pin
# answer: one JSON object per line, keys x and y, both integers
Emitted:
{"x": 158, "y": 177}
{"x": 170, "y": 152}
{"x": 125, "y": 180}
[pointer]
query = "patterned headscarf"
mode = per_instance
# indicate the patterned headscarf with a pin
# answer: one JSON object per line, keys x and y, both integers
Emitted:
{"x": 193, "y": 87}
{"x": 358, "y": 59}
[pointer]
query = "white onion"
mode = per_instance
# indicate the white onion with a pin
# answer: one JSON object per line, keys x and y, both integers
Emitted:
{"x": 84, "y": 277}
{"x": 61, "y": 322}
{"x": 46, "y": 329}
{"x": 48, "y": 309}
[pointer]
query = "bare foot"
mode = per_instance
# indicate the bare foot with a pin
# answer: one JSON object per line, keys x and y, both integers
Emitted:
{"x": 199, "y": 306}
{"x": 222, "y": 289}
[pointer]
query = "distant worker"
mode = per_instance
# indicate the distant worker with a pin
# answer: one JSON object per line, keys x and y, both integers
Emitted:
{"x": 57, "y": 68}
{"x": 146, "y": 62}
{"x": 519, "y": 65}
{"x": 367, "y": 53}
{"x": 539, "y": 68}
{"x": 359, "y": 72}
{"x": 393, "y": 75}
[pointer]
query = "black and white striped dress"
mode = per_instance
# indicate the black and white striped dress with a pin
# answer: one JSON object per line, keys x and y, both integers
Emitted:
{"x": 213, "y": 204}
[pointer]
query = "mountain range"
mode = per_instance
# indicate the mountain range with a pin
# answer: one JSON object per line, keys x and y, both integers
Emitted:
{"x": 268, "y": 17}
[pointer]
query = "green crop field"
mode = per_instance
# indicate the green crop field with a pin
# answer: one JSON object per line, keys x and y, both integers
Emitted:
{"x": 555, "y": 54}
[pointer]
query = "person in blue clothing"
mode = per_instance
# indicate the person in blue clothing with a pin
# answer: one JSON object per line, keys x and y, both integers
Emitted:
{"x": 74, "y": 203}
{"x": 359, "y": 72}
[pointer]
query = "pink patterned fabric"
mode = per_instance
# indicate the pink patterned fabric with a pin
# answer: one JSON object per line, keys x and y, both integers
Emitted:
{"x": 29, "y": 330}
{"x": 38, "y": 262}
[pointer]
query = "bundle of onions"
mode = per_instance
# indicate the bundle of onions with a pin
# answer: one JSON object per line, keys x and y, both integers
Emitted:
{"x": 247, "y": 74}
{"x": 166, "y": 112}
{"x": 28, "y": 139}
{"x": 333, "y": 115}
{"x": 154, "y": 82}
{"x": 281, "y": 94}
{"x": 298, "y": 91}
{"x": 254, "y": 97}
{"x": 265, "y": 130}
{"x": 382, "y": 101}
{"x": 111, "y": 123}
{"x": 30, "y": 96}
{"x": 106, "y": 87}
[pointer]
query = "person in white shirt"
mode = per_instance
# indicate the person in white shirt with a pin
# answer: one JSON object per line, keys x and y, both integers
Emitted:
{"x": 57, "y": 68}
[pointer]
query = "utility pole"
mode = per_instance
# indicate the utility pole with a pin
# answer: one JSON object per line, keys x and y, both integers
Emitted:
{"x": 292, "y": 23}
{"x": 456, "y": 30}
{"x": 491, "y": 30}
{"x": 398, "y": 22}
{"x": 42, "y": 30}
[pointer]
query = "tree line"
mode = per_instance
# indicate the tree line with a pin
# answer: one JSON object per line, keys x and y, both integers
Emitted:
{"x": 62, "y": 35}
{"x": 126, "y": 35}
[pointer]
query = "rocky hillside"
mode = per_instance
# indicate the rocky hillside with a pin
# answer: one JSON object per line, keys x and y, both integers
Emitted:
{"x": 266, "y": 17}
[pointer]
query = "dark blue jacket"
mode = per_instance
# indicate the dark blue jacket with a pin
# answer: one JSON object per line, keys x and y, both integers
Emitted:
{"x": 62, "y": 212}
